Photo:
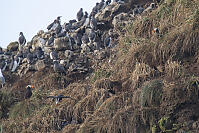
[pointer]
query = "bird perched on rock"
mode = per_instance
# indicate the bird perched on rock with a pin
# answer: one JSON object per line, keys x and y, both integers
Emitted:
{"x": 101, "y": 5}
{"x": 80, "y": 14}
{"x": 22, "y": 41}
{"x": 58, "y": 29}
{"x": 29, "y": 57}
{"x": 51, "y": 25}
{"x": 150, "y": 8}
{"x": 59, "y": 19}
{"x": 140, "y": 9}
{"x": 108, "y": 2}
{"x": 59, "y": 98}
{"x": 53, "y": 55}
{"x": 107, "y": 41}
{"x": 2, "y": 79}
{"x": 28, "y": 92}
{"x": 62, "y": 34}
{"x": 85, "y": 39}
{"x": 92, "y": 36}
{"x": 13, "y": 64}
{"x": 39, "y": 53}
{"x": 58, "y": 68}
{"x": 156, "y": 31}
{"x": 51, "y": 40}
{"x": 3, "y": 63}
{"x": 93, "y": 23}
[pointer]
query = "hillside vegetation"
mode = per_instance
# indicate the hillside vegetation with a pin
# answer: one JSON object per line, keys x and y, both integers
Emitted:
{"x": 155, "y": 79}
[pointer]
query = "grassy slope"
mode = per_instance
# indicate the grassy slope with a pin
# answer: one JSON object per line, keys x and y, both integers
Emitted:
{"x": 155, "y": 79}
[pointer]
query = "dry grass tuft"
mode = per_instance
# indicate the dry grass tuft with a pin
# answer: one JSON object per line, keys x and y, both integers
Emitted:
{"x": 173, "y": 69}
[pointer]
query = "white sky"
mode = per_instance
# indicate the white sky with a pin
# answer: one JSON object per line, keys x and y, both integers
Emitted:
{"x": 30, "y": 16}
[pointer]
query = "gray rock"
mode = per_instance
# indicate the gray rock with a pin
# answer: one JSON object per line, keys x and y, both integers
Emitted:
{"x": 61, "y": 44}
{"x": 40, "y": 65}
{"x": 13, "y": 46}
{"x": 68, "y": 54}
{"x": 109, "y": 12}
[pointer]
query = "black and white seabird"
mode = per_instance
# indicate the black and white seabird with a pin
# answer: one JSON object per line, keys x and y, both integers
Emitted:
{"x": 39, "y": 53}
{"x": 85, "y": 39}
{"x": 29, "y": 57}
{"x": 87, "y": 20}
{"x": 22, "y": 39}
{"x": 80, "y": 14}
{"x": 92, "y": 36}
{"x": 108, "y": 2}
{"x": 4, "y": 65}
{"x": 140, "y": 9}
{"x": 53, "y": 55}
{"x": 101, "y": 5}
{"x": 58, "y": 68}
{"x": 1, "y": 50}
{"x": 2, "y": 79}
{"x": 58, "y": 29}
{"x": 51, "y": 40}
{"x": 62, "y": 34}
{"x": 107, "y": 41}
{"x": 28, "y": 92}
{"x": 59, "y": 19}
{"x": 12, "y": 62}
{"x": 51, "y": 25}
{"x": 83, "y": 20}
{"x": 93, "y": 23}
{"x": 59, "y": 98}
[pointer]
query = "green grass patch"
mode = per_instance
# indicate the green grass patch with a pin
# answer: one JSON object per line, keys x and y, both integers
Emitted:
{"x": 151, "y": 94}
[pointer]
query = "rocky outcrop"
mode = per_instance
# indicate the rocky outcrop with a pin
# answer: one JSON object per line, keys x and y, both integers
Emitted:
{"x": 62, "y": 44}
{"x": 13, "y": 46}
{"x": 40, "y": 65}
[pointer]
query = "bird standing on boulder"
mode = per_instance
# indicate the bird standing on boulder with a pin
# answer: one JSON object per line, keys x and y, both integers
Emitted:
{"x": 39, "y": 53}
{"x": 85, "y": 39}
{"x": 51, "y": 40}
{"x": 59, "y": 19}
{"x": 29, "y": 57}
{"x": 80, "y": 14}
{"x": 28, "y": 93}
{"x": 2, "y": 79}
{"x": 51, "y": 25}
{"x": 22, "y": 41}
{"x": 92, "y": 36}
{"x": 93, "y": 23}
{"x": 101, "y": 5}
{"x": 53, "y": 55}
{"x": 58, "y": 98}
{"x": 58, "y": 68}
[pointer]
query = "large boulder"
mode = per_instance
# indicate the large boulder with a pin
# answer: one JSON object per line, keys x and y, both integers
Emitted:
{"x": 37, "y": 41}
{"x": 40, "y": 65}
{"x": 62, "y": 44}
{"x": 13, "y": 46}
{"x": 110, "y": 11}
{"x": 68, "y": 54}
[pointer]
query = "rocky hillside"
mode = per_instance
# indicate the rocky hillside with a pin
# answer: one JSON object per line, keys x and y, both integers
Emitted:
{"x": 147, "y": 81}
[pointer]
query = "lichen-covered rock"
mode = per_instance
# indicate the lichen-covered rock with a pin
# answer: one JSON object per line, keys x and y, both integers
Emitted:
{"x": 122, "y": 19}
{"x": 13, "y": 46}
{"x": 68, "y": 54}
{"x": 37, "y": 41}
{"x": 109, "y": 12}
{"x": 61, "y": 44}
{"x": 40, "y": 65}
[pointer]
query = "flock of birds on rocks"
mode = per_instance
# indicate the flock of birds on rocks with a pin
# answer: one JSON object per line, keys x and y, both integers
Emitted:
{"x": 82, "y": 33}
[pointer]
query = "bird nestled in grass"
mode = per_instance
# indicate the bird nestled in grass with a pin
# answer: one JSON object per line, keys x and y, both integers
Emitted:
{"x": 28, "y": 93}
{"x": 59, "y": 98}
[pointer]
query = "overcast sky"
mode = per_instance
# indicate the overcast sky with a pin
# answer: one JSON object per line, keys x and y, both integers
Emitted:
{"x": 30, "y": 16}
